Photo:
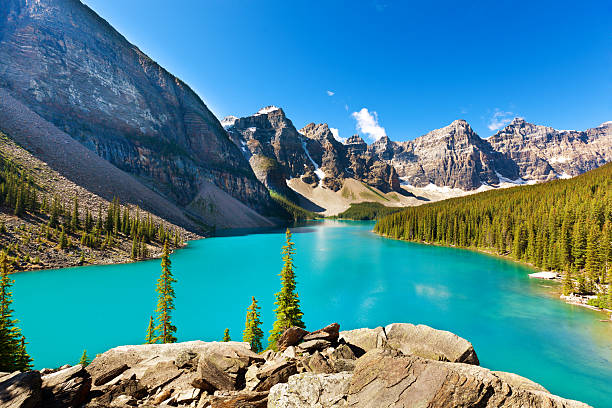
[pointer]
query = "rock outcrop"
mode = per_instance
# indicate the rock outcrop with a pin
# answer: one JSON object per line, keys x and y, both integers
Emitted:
{"x": 398, "y": 365}
{"x": 71, "y": 68}
{"x": 387, "y": 378}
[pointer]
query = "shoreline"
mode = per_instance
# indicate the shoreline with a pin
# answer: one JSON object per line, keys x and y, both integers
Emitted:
{"x": 570, "y": 299}
{"x": 111, "y": 261}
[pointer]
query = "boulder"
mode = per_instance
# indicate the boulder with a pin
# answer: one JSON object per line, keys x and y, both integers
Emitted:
{"x": 68, "y": 387}
{"x": 343, "y": 351}
{"x": 186, "y": 397}
{"x": 291, "y": 337}
{"x": 234, "y": 399}
{"x": 223, "y": 367}
{"x": 363, "y": 340}
{"x": 275, "y": 373}
{"x": 342, "y": 358}
{"x": 159, "y": 375}
{"x": 314, "y": 345}
{"x": 311, "y": 390}
{"x": 20, "y": 390}
{"x": 385, "y": 378}
{"x": 141, "y": 357}
{"x": 329, "y": 333}
{"x": 125, "y": 387}
{"x": 317, "y": 364}
{"x": 289, "y": 352}
{"x": 109, "y": 375}
{"x": 186, "y": 359}
{"x": 430, "y": 343}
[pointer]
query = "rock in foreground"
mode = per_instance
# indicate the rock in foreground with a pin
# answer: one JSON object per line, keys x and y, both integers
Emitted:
{"x": 397, "y": 365}
{"x": 388, "y": 378}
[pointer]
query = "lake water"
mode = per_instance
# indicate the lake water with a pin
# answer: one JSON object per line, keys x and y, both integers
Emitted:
{"x": 345, "y": 274}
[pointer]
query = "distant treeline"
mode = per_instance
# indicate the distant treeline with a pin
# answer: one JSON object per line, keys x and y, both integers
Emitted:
{"x": 367, "y": 211}
{"x": 561, "y": 225}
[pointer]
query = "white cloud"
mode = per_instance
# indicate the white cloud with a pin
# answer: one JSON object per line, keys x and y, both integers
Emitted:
{"x": 330, "y": 93}
{"x": 367, "y": 123}
{"x": 500, "y": 119}
{"x": 346, "y": 107}
{"x": 336, "y": 134}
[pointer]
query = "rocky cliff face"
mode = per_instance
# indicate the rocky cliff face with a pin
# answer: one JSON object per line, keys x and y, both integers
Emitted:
{"x": 277, "y": 151}
{"x": 397, "y": 365}
{"x": 453, "y": 156}
{"x": 272, "y": 145}
{"x": 73, "y": 69}
{"x": 543, "y": 153}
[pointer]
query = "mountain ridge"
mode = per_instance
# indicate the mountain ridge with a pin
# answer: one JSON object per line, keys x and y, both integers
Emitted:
{"x": 68, "y": 65}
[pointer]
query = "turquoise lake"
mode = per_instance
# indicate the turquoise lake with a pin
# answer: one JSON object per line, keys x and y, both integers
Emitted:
{"x": 345, "y": 274}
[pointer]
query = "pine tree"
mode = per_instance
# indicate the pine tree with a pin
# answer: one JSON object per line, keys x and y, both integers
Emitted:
{"x": 578, "y": 244}
{"x": 13, "y": 354}
{"x": 226, "y": 336}
{"x": 568, "y": 284}
{"x": 88, "y": 221}
{"x": 165, "y": 302}
{"x": 23, "y": 360}
{"x": 252, "y": 332}
{"x": 63, "y": 240}
{"x": 74, "y": 219}
{"x": 99, "y": 219}
{"x": 150, "y": 338}
{"x": 134, "y": 248}
{"x": 592, "y": 254}
{"x": 287, "y": 303}
{"x": 84, "y": 361}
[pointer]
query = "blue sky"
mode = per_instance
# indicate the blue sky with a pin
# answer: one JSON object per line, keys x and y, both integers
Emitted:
{"x": 417, "y": 65}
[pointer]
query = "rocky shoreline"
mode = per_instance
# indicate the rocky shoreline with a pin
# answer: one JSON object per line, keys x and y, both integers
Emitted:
{"x": 397, "y": 365}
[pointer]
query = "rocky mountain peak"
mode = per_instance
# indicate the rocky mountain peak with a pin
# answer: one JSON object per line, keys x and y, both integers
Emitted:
{"x": 228, "y": 121}
{"x": 320, "y": 132}
{"x": 355, "y": 139}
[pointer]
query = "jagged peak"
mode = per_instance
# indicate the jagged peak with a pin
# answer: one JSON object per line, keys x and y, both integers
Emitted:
{"x": 606, "y": 124}
{"x": 355, "y": 139}
{"x": 228, "y": 121}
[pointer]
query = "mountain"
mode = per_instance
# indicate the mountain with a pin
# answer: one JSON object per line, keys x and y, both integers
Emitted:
{"x": 453, "y": 156}
{"x": 277, "y": 152}
{"x": 69, "y": 67}
{"x": 543, "y": 153}
{"x": 456, "y": 157}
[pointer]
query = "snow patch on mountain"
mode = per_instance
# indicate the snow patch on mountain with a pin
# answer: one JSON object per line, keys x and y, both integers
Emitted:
{"x": 503, "y": 179}
{"x": 228, "y": 121}
{"x": 320, "y": 173}
{"x": 267, "y": 109}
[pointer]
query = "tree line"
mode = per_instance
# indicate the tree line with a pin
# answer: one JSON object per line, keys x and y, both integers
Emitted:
{"x": 562, "y": 225}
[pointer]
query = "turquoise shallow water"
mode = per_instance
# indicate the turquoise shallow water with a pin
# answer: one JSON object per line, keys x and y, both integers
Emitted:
{"x": 346, "y": 274}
